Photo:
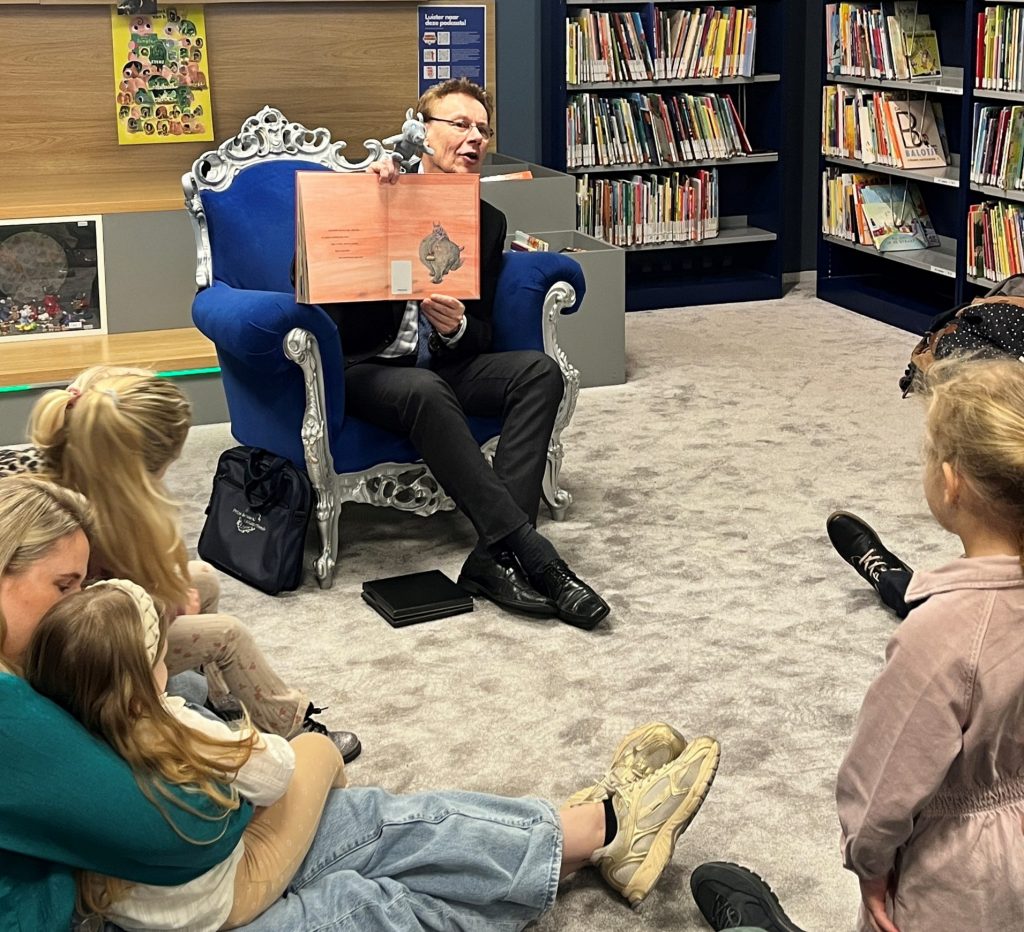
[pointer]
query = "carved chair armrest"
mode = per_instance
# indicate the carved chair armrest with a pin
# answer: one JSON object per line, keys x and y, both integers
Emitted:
{"x": 259, "y": 335}
{"x": 525, "y": 306}
{"x": 250, "y": 325}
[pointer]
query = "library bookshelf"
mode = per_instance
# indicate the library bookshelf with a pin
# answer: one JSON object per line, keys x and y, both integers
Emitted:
{"x": 907, "y": 289}
{"x": 743, "y": 262}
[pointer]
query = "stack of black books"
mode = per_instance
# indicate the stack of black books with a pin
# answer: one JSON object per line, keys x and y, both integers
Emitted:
{"x": 415, "y": 597}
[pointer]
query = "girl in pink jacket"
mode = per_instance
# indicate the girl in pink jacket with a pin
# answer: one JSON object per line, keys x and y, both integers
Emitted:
{"x": 931, "y": 791}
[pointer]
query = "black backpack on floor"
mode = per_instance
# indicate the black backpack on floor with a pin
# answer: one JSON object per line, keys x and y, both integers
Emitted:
{"x": 988, "y": 330}
{"x": 257, "y": 517}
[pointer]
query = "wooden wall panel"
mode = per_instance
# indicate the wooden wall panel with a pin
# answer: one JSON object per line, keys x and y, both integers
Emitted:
{"x": 350, "y": 66}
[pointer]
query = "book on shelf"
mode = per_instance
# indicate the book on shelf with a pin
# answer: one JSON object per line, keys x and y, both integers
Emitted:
{"x": 889, "y": 215}
{"x": 524, "y": 175}
{"x": 995, "y": 240}
{"x": 999, "y": 48}
{"x": 876, "y": 126}
{"x": 869, "y": 42}
{"x": 526, "y": 242}
{"x": 649, "y": 209}
{"x": 359, "y": 240}
{"x": 997, "y": 157}
{"x": 652, "y": 129}
{"x": 923, "y": 54}
{"x": 619, "y": 45}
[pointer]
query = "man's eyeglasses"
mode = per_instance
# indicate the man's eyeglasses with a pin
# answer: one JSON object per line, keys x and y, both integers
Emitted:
{"x": 465, "y": 126}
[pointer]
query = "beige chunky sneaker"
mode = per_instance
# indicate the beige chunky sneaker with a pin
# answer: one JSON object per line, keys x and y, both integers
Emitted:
{"x": 652, "y": 813}
{"x": 644, "y": 750}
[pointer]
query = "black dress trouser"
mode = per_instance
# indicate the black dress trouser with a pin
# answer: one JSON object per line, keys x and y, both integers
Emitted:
{"x": 430, "y": 406}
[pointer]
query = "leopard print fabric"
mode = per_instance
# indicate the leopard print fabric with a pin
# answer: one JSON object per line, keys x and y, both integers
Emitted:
{"x": 17, "y": 460}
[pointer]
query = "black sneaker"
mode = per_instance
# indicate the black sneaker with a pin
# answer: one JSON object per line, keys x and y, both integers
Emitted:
{"x": 857, "y": 543}
{"x": 730, "y": 896}
{"x": 346, "y": 741}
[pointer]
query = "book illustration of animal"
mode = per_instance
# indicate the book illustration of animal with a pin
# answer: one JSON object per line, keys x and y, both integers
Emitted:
{"x": 439, "y": 254}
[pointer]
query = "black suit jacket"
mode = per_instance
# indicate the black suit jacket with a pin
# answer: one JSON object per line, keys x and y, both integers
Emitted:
{"x": 367, "y": 327}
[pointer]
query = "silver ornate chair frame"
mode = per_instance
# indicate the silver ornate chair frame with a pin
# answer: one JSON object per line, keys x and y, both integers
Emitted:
{"x": 406, "y": 486}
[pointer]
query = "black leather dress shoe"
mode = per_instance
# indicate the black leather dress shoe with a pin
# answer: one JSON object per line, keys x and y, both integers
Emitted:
{"x": 502, "y": 581}
{"x": 577, "y": 603}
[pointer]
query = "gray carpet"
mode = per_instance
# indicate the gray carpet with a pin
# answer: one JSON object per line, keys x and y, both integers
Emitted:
{"x": 701, "y": 490}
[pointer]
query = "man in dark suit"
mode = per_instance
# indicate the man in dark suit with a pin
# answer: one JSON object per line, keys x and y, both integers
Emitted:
{"x": 419, "y": 368}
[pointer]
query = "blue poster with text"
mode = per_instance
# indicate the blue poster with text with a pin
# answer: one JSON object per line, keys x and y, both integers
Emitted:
{"x": 451, "y": 44}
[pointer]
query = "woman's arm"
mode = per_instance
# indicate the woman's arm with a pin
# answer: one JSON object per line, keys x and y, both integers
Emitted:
{"x": 69, "y": 799}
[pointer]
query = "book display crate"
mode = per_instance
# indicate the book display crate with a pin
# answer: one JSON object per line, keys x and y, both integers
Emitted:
{"x": 543, "y": 202}
{"x": 738, "y": 82}
{"x": 594, "y": 338}
{"x": 908, "y": 288}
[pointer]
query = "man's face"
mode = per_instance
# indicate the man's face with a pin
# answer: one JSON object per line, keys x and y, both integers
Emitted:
{"x": 456, "y": 151}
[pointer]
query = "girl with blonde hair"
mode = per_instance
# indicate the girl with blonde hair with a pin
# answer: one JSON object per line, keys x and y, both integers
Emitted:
{"x": 111, "y": 435}
{"x": 931, "y": 791}
{"x": 99, "y": 654}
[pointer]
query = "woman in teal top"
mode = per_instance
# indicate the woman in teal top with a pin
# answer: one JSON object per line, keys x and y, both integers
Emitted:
{"x": 377, "y": 863}
{"x": 68, "y": 801}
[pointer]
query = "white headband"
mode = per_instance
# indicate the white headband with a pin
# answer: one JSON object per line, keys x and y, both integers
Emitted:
{"x": 147, "y": 612}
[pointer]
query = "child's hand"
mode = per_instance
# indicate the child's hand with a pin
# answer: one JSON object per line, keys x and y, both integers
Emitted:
{"x": 873, "y": 893}
{"x": 192, "y": 605}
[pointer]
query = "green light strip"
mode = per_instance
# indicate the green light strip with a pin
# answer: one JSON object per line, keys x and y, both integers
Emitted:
{"x": 169, "y": 374}
{"x": 175, "y": 373}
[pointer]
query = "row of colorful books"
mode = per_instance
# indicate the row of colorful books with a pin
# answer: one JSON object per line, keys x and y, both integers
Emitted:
{"x": 889, "y": 214}
{"x": 995, "y": 237}
{"x": 705, "y": 43}
{"x": 865, "y": 41}
{"x": 649, "y": 209}
{"x": 700, "y": 43}
{"x": 606, "y": 46}
{"x": 998, "y": 155}
{"x": 902, "y": 130}
{"x": 999, "y": 59}
{"x": 652, "y": 129}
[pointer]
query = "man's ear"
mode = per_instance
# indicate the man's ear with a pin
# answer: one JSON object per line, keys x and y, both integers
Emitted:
{"x": 953, "y": 483}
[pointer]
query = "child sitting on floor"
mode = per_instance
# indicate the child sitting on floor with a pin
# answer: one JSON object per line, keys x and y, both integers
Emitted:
{"x": 100, "y": 654}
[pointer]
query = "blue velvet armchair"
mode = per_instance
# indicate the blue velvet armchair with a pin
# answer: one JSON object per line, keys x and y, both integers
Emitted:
{"x": 281, "y": 362}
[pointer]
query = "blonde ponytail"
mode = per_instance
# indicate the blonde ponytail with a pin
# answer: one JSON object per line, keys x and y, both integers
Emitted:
{"x": 110, "y": 436}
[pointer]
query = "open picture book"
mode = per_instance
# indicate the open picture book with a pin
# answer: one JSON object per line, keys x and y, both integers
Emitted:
{"x": 359, "y": 240}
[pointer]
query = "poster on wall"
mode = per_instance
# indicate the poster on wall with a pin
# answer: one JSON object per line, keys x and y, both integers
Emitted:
{"x": 161, "y": 76}
{"x": 452, "y": 44}
{"x": 51, "y": 277}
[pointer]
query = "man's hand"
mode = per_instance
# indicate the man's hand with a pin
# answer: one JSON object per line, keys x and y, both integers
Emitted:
{"x": 444, "y": 313}
{"x": 873, "y": 893}
{"x": 386, "y": 170}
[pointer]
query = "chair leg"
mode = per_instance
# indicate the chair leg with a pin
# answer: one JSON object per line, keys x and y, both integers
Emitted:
{"x": 328, "y": 515}
{"x": 557, "y": 499}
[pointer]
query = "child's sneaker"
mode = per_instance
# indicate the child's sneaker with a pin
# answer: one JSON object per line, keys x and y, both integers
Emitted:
{"x": 652, "y": 813}
{"x": 644, "y": 750}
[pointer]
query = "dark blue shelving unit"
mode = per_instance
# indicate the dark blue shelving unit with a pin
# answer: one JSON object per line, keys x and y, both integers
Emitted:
{"x": 908, "y": 289}
{"x": 744, "y": 263}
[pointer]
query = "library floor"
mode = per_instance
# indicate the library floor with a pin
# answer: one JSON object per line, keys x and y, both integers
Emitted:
{"x": 701, "y": 490}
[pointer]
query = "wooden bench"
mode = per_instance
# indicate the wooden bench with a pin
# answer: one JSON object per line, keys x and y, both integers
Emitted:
{"x": 28, "y": 363}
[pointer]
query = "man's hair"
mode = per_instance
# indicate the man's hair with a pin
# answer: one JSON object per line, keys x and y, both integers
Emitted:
{"x": 455, "y": 86}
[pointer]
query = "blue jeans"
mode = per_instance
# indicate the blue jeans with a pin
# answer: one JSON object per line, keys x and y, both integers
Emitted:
{"x": 444, "y": 861}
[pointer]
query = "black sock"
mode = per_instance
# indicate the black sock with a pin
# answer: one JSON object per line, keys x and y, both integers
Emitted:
{"x": 611, "y": 824}
{"x": 533, "y": 551}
